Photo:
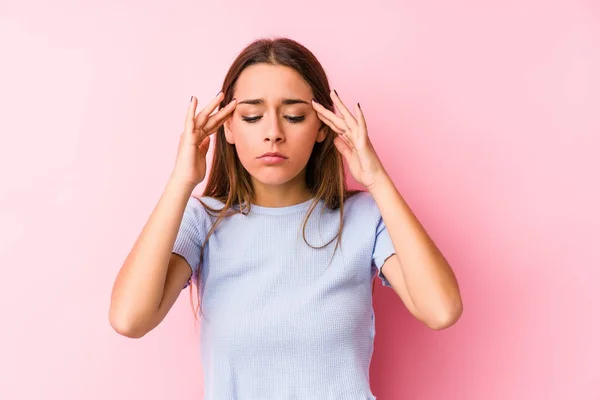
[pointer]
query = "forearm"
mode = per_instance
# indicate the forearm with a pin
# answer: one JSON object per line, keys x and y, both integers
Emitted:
{"x": 138, "y": 288}
{"x": 429, "y": 279}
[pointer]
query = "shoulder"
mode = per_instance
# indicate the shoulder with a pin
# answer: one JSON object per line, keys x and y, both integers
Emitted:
{"x": 204, "y": 201}
{"x": 360, "y": 202}
{"x": 198, "y": 203}
{"x": 198, "y": 209}
{"x": 361, "y": 211}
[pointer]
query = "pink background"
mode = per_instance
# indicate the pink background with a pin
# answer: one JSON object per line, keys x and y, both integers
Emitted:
{"x": 486, "y": 114}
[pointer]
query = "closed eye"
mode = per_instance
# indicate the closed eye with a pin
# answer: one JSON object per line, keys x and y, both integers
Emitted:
{"x": 292, "y": 119}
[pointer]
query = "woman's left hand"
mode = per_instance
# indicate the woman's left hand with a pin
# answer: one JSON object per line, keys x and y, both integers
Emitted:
{"x": 353, "y": 141}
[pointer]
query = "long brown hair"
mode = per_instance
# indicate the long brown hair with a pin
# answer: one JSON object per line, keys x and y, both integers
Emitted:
{"x": 229, "y": 182}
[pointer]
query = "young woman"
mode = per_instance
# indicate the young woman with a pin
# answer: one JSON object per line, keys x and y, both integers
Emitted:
{"x": 281, "y": 254}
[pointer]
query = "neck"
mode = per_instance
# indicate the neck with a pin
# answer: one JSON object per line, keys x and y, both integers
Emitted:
{"x": 287, "y": 194}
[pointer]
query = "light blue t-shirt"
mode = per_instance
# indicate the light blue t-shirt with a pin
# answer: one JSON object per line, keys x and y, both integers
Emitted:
{"x": 280, "y": 322}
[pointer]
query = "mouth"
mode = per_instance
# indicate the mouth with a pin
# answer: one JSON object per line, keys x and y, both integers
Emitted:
{"x": 273, "y": 155}
{"x": 272, "y": 158}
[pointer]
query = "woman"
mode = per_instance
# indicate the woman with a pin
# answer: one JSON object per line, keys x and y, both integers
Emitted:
{"x": 286, "y": 312}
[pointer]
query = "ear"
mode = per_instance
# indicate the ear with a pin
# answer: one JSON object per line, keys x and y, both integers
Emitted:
{"x": 228, "y": 133}
{"x": 322, "y": 133}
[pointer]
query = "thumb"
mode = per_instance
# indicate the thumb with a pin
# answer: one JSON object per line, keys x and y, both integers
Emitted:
{"x": 204, "y": 145}
{"x": 343, "y": 147}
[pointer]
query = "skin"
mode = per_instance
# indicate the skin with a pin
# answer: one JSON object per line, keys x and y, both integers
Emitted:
{"x": 280, "y": 184}
{"x": 418, "y": 272}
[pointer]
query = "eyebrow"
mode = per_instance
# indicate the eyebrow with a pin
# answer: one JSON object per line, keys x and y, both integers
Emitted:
{"x": 284, "y": 101}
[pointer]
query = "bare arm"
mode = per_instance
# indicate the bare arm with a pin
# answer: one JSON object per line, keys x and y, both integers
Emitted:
{"x": 150, "y": 279}
{"x": 420, "y": 273}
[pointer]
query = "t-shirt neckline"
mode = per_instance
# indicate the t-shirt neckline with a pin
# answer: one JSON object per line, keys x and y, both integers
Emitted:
{"x": 281, "y": 210}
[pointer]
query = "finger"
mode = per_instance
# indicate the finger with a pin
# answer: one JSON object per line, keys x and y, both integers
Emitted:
{"x": 216, "y": 120}
{"x": 203, "y": 115}
{"x": 341, "y": 133}
{"x": 188, "y": 126}
{"x": 362, "y": 123}
{"x": 331, "y": 124}
{"x": 348, "y": 117}
{"x": 204, "y": 146}
{"x": 330, "y": 116}
{"x": 343, "y": 147}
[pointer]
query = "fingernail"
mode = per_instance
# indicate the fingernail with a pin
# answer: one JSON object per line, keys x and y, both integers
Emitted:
{"x": 359, "y": 105}
{"x": 191, "y": 98}
{"x": 315, "y": 100}
{"x": 234, "y": 99}
{"x": 336, "y": 93}
{"x": 219, "y": 93}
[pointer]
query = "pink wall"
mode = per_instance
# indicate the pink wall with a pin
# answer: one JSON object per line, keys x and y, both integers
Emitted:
{"x": 487, "y": 114}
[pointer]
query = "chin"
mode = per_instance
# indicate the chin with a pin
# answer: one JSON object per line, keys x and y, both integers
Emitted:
{"x": 272, "y": 176}
{"x": 272, "y": 179}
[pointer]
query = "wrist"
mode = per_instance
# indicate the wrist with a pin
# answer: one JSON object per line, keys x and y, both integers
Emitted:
{"x": 381, "y": 184}
{"x": 181, "y": 184}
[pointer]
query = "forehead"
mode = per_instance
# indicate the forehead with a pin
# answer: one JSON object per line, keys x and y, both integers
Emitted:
{"x": 271, "y": 81}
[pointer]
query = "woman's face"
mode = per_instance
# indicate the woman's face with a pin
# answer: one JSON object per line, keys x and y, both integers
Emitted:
{"x": 273, "y": 114}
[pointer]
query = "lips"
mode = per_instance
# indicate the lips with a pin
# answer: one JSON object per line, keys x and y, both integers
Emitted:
{"x": 273, "y": 154}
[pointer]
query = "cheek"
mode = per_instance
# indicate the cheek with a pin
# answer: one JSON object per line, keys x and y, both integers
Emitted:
{"x": 307, "y": 136}
{"x": 242, "y": 139}
{"x": 237, "y": 131}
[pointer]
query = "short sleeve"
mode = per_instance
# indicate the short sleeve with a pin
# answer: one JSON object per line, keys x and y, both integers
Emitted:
{"x": 382, "y": 250}
{"x": 189, "y": 238}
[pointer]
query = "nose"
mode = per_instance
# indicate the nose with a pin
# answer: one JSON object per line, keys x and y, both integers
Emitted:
{"x": 274, "y": 132}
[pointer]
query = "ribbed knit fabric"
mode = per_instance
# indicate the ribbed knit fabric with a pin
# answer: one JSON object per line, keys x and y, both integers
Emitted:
{"x": 280, "y": 322}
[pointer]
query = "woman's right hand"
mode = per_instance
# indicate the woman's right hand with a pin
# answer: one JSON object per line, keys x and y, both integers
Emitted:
{"x": 190, "y": 165}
